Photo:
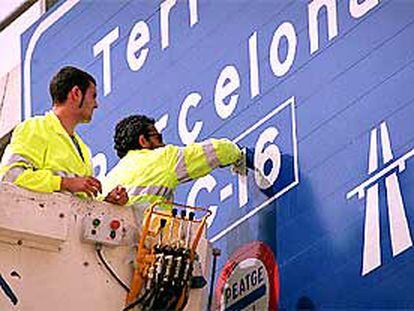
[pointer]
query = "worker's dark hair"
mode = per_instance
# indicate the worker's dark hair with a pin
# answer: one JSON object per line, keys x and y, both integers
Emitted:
{"x": 127, "y": 132}
{"x": 65, "y": 79}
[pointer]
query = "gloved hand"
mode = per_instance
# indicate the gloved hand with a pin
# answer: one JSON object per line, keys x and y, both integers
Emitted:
{"x": 246, "y": 161}
{"x": 239, "y": 167}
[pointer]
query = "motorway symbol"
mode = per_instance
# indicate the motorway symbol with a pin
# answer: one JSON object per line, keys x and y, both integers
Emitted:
{"x": 399, "y": 230}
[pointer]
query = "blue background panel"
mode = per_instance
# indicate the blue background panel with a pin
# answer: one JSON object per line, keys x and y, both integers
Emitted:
{"x": 349, "y": 86}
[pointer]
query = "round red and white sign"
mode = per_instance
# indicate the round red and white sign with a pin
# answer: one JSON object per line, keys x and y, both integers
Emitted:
{"x": 249, "y": 280}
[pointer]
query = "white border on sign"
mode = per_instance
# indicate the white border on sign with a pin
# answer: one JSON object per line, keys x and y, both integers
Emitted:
{"x": 43, "y": 26}
{"x": 291, "y": 102}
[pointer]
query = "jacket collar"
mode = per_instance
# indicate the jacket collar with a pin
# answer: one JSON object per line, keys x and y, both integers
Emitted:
{"x": 55, "y": 124}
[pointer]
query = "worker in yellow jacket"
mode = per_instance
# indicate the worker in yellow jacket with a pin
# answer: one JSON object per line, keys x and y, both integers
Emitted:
{"x": 45, "y": 153}
{"x": 151, "y": 170}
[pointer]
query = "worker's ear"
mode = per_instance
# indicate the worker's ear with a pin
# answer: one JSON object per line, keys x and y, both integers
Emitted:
{"x": 75, "y": 93}
{"x": 143, "y": 142}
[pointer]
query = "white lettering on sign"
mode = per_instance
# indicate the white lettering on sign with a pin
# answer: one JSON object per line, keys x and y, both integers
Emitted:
{"x": 264, "y": 154}
{"x": 205, "y": 183}
{"x": 189, "y": 136}
{"x": 99, "y": 162}
{"x": 193, "y": 12}
{"x": 138, "y": 38}
{"x": 165, "y": 9}
{"x": 162, "y": 123}
{"x": 103, "y": 47}
{"x": 280, "y": 68}
{"x": 359, "y": 9}
{"x": 254, "y": 66}
{"x": 313, "y": 12}
{"x": 227, "y": 84}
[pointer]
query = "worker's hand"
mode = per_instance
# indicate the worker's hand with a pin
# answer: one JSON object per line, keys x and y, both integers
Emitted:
{"x": 89, "y": 185}
{"x": 117, "y": 196}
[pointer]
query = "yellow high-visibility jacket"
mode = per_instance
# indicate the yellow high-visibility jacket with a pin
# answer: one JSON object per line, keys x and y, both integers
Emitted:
{"x": 150, "y": 175}
{"x": 41, "y": 152}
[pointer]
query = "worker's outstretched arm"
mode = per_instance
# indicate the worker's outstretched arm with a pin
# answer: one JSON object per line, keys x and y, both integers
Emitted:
{"x": 198, "y": 159}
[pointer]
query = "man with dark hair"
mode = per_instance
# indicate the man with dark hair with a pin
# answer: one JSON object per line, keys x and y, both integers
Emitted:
{"x": 151, "y": 170}
{"x": 45, "y": 153}
{"x": 128, "y": 130}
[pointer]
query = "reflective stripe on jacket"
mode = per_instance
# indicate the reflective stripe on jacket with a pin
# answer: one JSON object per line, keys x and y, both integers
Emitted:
{"x": 149, "y": 175}
{"x": 40, "y": 153}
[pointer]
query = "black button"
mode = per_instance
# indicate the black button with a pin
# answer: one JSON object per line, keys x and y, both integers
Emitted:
{"x": 112, "y": 234}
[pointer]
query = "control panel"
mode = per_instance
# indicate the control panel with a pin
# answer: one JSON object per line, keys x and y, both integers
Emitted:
{"x": 109, "y": 230}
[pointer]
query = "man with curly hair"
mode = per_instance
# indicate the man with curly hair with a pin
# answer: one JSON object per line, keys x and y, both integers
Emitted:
{"x": 151, "y": 170}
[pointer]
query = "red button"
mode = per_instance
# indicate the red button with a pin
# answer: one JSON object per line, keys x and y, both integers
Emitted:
{"x": 115, "y": 224}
